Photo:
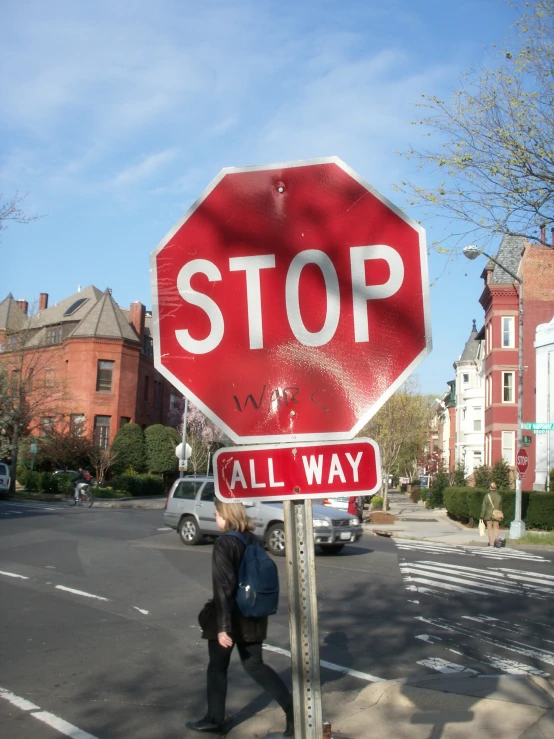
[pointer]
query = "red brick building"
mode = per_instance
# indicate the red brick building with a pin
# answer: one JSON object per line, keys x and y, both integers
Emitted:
{"x": 500, "y": 300}
{"x": 100, "y": 352}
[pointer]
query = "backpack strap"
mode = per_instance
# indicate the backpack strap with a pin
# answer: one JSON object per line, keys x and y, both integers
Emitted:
{"x": 238, "y": 535}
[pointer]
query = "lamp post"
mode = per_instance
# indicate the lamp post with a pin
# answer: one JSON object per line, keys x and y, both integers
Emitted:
{"x": 517, "y": 526}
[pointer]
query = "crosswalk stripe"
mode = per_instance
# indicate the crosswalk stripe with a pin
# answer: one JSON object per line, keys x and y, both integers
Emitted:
{"x": 467, "y": 551}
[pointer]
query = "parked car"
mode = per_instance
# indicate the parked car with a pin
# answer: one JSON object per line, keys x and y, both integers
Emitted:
{"x": 190, "y": 510}
{"x": 4, "y": 478}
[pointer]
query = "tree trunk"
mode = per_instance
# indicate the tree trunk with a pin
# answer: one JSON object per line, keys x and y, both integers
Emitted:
{"x": 385, "y": 492}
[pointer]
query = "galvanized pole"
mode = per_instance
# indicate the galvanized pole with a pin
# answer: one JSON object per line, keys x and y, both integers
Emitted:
{"x": 303, "y": 620}
{"x": 183, "y": 459}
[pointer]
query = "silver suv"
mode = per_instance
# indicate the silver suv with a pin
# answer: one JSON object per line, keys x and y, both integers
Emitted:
{"x": 190, "y": 510}
{"x": 4, "y": 478}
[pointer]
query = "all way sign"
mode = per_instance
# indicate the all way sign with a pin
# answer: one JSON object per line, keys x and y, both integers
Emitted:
{"x": 297, "y": 471}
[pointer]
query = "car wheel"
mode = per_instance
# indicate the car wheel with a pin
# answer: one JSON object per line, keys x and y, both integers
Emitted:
{"x": 331, "y": 548}
{"x": 189, "y": 531}
{"x": 276, "y": 540}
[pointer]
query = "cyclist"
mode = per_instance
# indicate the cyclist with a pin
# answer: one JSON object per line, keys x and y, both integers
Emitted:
{"x": 78, "y": 481}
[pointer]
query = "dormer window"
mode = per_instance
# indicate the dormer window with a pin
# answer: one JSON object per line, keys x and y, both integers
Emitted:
{"x": 75, "y": 306}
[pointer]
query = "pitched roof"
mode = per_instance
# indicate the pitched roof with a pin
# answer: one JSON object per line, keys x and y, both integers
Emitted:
{"x": 471, "y": 349}
{"x": 105, "y": 319}
{"x": 12, "y": 317}
{"x": 509, "y": 254}
{"x": 61, "y": 312}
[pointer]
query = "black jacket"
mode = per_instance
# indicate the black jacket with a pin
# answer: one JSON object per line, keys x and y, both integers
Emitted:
{"x": 222, "y": 613}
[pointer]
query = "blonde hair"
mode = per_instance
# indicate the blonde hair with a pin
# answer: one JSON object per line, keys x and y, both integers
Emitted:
{"x": 493, "y": 486}
{"x": 234, "y": 515}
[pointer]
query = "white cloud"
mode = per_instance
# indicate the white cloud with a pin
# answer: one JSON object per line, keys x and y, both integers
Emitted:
{"x": 142, "y": 171}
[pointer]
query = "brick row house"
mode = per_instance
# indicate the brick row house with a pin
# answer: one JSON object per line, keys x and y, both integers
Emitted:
{"x": 101, "y": 353}
{"x": 486, "y": 384}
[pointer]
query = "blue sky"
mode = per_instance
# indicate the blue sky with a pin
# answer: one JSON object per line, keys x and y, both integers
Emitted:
{"x": 116, "y": 115}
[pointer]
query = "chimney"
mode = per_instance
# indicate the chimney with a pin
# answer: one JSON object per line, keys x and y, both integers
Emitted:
{"x": 552, "y": 236}
{"x": 543, "y": 233}
{"x": 43, "y": 301}
{"x": 137, "y": 312}
{"x": 24, "y": 305}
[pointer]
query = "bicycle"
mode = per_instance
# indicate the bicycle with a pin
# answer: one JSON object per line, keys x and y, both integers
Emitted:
{"x": 84, "y": 496}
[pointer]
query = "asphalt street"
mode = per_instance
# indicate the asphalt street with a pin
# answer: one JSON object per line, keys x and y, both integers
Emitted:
{"x": 99, "y": 629}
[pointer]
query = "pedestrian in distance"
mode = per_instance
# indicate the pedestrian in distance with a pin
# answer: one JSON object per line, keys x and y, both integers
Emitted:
{"x": 491, "y": 513}
{"x": 356, "y": 507}
{"x": 223, "y": 625}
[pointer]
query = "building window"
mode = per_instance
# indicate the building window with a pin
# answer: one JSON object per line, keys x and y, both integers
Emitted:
{"x": 477, "y": 419}
{"x": 465, "y": 379}
{"x": 507, "y": 387}
{"x": 146, "y": 385}
{"x": 157, "y": 394}
{"x": 46, "y": 425}
{"x": 173, "y": 399}
{"x": 487, "y": 391}
{"x": 54, "y": 335}
{"x": 508, "y": 447}
{"x": 148, "y": 347}
{"x": 48, "y": 377}
{"x": 77, "y": 423}
{"x": 488, "y": 347}
{"x": 102, "y": 431}
{"x": 104, "y": 376}
{"x": 477, "y": 461}
{"x": 508, "y": 338}
{"x": 124, "y": 420}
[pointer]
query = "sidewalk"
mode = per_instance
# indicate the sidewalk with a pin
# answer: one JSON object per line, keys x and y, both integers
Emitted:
{"x": 443, "y": 707}
{"x": 430, "y": 524}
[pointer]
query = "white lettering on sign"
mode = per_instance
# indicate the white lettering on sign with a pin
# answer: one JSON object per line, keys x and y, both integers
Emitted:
{"x": 354, "y": 463}
{"x": 272, "y": 482}
{"x": 209, "y": 306}
{"x": 313, "y": 468}
{"x": 362, "y": 293}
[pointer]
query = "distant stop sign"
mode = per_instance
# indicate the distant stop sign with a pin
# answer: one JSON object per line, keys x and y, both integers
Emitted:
{"x": 290, "y": 301}
{"x": 522, "y": 461}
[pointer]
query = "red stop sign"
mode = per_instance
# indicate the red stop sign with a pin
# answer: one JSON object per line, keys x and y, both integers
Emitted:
{"x": 522, "y": 461}
{"x": 290, "y": 301}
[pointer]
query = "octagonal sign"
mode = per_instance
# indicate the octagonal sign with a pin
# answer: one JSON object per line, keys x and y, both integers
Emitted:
{"x": 290, "y": 302}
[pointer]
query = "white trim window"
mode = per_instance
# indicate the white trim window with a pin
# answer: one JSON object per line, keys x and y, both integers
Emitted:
{"x": 508, "y": 332}
{"x": 509, "y": 447}
{"x": 508, "y": 394}
{"x": 465, "y": 378}
{"x": 488, "y": 391}
{"x": 488, "y": 336}
{"x": 477, "y": 422}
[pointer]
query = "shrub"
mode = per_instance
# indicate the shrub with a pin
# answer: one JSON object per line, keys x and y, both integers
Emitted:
{"x": 439, "y": 484}
{"x": 459, "y": 476}
{"x": 414, "y": 495}
{"x": 502, "y": 475}
{"x": 403, "y": 488}
{"x": 138, "y": 485}
{"x": 537, "y": 508}
{"x": 377, "y": 502}
{"x": 50, "y": 483}
{"x": 130, "y": 447}
{"x": 482, "y": 476}
{"x": 22, "y": 475}
{"x": 108, "y": 492}
{"x": 160, "y": 449}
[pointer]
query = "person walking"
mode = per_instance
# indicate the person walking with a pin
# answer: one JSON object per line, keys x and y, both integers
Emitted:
{"x": 223, "y": 625}
{"x": 492, "y": 503}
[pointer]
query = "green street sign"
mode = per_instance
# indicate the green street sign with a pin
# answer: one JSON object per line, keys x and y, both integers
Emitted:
{"x": 33, "y": 448}
{"x": 527, "y": 440}
{"x": 538, "y": 426}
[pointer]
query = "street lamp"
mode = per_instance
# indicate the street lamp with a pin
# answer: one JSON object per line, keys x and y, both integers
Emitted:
{"x": 517, "y": 526}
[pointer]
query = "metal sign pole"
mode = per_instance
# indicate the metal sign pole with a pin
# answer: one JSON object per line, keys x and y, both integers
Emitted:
{"x": 183, "y": 459}
{"x": 303, "y": 620}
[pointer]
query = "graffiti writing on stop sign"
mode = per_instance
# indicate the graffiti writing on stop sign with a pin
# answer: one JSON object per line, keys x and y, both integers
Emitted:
{"x": 278, "y": 397}
{"x": 252, "y": 266}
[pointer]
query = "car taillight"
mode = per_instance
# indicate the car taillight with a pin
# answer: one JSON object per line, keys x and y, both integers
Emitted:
{"x": 327, "y": 501}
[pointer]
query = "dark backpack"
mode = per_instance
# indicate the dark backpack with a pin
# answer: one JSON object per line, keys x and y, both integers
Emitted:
{"x": 257, "y": 593}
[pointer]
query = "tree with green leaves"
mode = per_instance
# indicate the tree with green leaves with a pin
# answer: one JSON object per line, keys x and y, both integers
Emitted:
{"x": 160, "y": 443}
{"x": 459, "y": 476}
{"x": 501, "y": 474}
{"x": 482, "y": 476}
{"x": 130, "y": 447}
{"x": 402, "y": 422}
{"x": 493, "y": 141}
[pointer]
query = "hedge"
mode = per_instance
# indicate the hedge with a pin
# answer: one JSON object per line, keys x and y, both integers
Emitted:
{"x": 138, "y": 485}
{"x": 537, "y": 508}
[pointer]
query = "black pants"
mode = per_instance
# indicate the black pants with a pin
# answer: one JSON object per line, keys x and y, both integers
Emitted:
{"x": 251, "y": 658}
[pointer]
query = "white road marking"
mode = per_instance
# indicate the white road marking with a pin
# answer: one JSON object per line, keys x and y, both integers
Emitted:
{"x": 513, "y": 668}
{"x": 429, "y": 638}
{"x": 15, "y": 700}
{"x": 55, "y": 722}
{"x": 140, "y": 610}
{"x": 12, "y": 574}
{"x": 331, "y": 666}
{"x": 441, "y": 665}
{"x": 165, "y": 528}
{"x": 487, "y": 552}
{"x": 80, "y": 592}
